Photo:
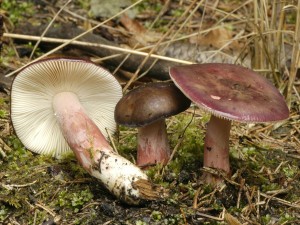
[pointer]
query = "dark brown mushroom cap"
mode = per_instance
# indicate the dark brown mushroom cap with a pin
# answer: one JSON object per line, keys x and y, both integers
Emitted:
{"x": 231, "y": 91}
{"x": 148, "y": 103}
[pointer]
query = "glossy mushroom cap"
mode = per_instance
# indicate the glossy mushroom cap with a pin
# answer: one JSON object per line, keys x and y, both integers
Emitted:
{"x": 149, "y": 103}
{"x": 231, "y": 91}
{"x": 32, "y": 94}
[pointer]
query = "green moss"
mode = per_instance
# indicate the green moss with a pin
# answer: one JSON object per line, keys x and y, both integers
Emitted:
{"x": 186, "y": 130}
{"x": 266, "y": 219}
{"x": 127, "y": 142}
{"x": 177, "y": 12}
{"x": 4, "y": 212}
{"x": 30, "y": 178}
{"x": 286, "y": 217}
{"x": 290, "y": 171}
{"x": 156, "y": 215}
{"x": 74, "y": 200}
{"x": 83, "y": 4}
{"x": 151, "y": 5}
{"x": 139, "y": 222}
{"x": 2, "y": 101}
{"x": 17, "y": 9}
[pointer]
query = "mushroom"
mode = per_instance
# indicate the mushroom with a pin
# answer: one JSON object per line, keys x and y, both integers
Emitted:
{"x": 230, "y": 93}
{"x": 146, "y": 108}
{"x": 58, "y": 104}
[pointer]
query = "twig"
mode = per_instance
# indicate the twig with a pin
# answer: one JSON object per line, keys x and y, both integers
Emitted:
{"x": 183, "y": 215}
{"x": 295, "y": 156}
{"x": 258, "y": 203}
{"x": 5, "y": 146}
{"x": 212, "y": 217}
{"x": 282, "y": 201}
{"x": 35, "y": 216}
{"x": 82, "y": 43}
{"x": 11, "y": 186}
{"x": 2, "y": 153}
{"x": 242, "y": 186}
{"x": 195, "y": 200}
{"x": 46, "y": 209}
{"x": 279, "y": 166}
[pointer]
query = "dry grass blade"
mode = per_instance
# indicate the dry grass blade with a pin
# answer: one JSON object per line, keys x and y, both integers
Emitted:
{"x": 231, "y": 220}
{"x": 295, "y": 57}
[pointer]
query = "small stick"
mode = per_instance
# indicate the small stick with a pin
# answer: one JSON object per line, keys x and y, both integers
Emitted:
{"x": 183, "y": 215}
{"x": 284, "y": 202}
{"x": 257, "y": 205}
{"x": 46, "y": 209}
{"x": 212, "y": 217}
{"x": 279, "y": 166}
{"x": 73, "y": 41}
{"x": 242, "y": 186}
{"x": 11, "y": 186}
{"x": 195, "y": 200}
{"x": 2, "y": 153}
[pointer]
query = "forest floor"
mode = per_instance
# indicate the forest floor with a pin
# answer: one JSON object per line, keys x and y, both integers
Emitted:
{"x": 264, "y": 158}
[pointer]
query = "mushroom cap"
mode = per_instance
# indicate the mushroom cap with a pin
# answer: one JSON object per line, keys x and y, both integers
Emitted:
{"x": 230, "y": 91}
{"x": 35, "y": 86}
{"x": 149, "y": 103}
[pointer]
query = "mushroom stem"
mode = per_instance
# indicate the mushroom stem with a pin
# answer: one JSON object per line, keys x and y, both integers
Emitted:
{"x": 153, "y": 146}
{"x": 216, "y": 147}
{"x": 118, "y": 175}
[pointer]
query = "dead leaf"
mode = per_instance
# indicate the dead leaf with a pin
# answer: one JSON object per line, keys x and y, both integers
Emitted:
{"x": 140, "y": 33}
{"x": 216, "y": 38}
{"x": 132, "y": 25}
{"x": 231, "y": 220}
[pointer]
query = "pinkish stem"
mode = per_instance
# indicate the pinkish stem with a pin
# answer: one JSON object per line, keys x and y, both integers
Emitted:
{"x": 216, "y": 147}
{"x": 80, "y": 132}
{"x": 153, "y": 145}
{"x": 121, "y": 177}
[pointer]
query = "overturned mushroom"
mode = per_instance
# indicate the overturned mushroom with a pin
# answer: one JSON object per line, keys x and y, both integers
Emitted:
{"x": 59, "y": 104}
{"x": 228, "y": 92}
{"x": 146, "y": 107}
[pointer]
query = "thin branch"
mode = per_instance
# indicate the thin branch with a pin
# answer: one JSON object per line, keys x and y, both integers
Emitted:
{"x": 83, "y": 43}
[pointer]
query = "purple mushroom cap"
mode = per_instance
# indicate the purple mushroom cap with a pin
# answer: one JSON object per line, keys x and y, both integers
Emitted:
{"x": 231, "y": 91}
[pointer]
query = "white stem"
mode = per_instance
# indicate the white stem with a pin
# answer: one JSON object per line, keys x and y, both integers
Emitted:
{"x": 93, "y": 152}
